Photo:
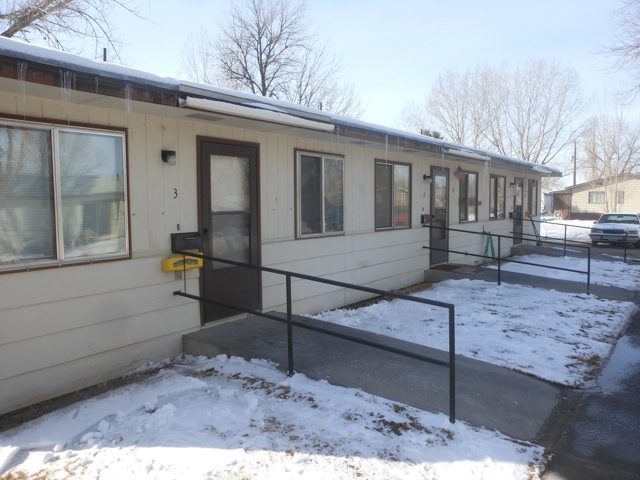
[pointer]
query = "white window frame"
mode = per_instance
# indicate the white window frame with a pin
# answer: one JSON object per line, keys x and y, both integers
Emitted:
{"x": 324, "y": 232}
{"x": 599, "y": 197}
{"x": 57, "y": 218}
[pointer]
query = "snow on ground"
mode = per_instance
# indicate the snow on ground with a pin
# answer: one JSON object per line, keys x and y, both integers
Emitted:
{"x": 226, "y": 418}
{"x": 575, "y": 230}
{"x": 612, "y": 274}
{"x": 560, "y": 337}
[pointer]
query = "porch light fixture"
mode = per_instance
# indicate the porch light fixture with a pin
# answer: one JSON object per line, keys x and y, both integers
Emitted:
{"x": 169, "y": 157}
{"x": 427, "y": 178}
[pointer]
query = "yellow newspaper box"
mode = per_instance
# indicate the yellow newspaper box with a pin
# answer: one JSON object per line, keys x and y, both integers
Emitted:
{"x": 180, "y": 263}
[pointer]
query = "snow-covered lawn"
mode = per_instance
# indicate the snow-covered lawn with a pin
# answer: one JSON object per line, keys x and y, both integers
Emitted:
{"x": 613, "y": 273}
{"x": 553, "y": 335}
{"x": 226, "y": 418}
{"x": 577, "y": 230}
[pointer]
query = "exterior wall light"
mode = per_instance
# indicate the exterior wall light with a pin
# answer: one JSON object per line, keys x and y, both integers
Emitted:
{"x": 169, "y": 157}
{"x": 427, "y": 178}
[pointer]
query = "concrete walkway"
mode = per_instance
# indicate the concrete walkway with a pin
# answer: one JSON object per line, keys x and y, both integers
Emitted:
{"x": 482, "y": 389}
{"x": 591, "y": 434}
{"x": 599, "y": 436}
{"x": 452, "y": 271}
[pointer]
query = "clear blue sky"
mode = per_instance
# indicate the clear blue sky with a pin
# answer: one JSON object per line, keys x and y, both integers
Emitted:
{"x": 393, "y": 50}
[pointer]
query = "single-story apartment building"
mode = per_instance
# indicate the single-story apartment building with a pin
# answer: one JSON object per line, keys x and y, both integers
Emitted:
{"x": 101, "y": 164}
{"x": 589, "y": 200}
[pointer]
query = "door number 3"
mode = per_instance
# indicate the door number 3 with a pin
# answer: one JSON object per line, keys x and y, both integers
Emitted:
{"x": 175, "y": 193}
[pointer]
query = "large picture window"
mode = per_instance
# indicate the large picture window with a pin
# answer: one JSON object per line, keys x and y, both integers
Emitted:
{"x": 497, "y": 197}
{"x": 62, "y": 195}
{"x": 393, "y": 195}
{"x": 320, "y": 185}
{"x": 469, "y": 197}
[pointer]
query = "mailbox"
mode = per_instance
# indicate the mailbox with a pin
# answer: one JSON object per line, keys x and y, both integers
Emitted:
{"x": 181, "y": 242}
{"x": 426, "y": 219}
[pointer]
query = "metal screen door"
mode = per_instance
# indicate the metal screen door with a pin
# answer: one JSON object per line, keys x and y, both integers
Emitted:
{"x": 438, "y": 235}
{"x": 230, "y": 229}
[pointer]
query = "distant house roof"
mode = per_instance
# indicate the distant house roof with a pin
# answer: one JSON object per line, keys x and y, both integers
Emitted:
{"x": 623, "y": 177}
{"x": 30, "y": 63}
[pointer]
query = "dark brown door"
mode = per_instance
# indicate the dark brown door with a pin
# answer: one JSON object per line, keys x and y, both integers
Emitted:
{"x": 517, "y": 210}
{"x": 229, "y": 219}
{"x": 438, "y": 235}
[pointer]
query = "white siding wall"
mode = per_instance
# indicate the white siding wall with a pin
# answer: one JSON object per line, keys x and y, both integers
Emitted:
{"x": 70, "y": 327}
{"x": 630, "y": 187}
{"x": 67, "y": 328}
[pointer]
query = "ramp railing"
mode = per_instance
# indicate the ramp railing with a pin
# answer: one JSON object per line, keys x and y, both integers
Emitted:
{"x": 291, "y": 322}
{"x": 499, "y": 259}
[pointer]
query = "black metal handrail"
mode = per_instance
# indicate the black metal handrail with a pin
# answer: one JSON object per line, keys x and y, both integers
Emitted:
{"x": 499, "y": 258}
{"x": 451, "y": 364}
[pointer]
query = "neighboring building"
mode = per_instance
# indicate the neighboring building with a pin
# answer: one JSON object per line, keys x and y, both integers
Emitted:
{"x": 589, "y": 200}
{"x": 100, "y": 164}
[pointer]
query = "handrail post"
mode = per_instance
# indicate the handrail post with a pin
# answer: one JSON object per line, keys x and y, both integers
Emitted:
{"x": 499, "y": 254}
{"x": 626, "y": 234}
{"x": 452, "y": 365}
{"x": 289, "y": 325}
{"x": 564, "y": 246}
{"x": 588, "y": 270}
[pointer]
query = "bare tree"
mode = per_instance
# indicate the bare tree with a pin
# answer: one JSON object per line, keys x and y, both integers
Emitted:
{"x": 59, "y": 22}
{"x": 454, "y": 105}
{"x": 610, "y": 146}
{"x": 530, "y": 112}
{"x": 317, "y": 83}
{"x": 625, "y": 47}
{"x": 610, "y": 149}
{"x": 266, "y": 47}
{"x": 197, "y": 62}
{"x": 414, "y": 116}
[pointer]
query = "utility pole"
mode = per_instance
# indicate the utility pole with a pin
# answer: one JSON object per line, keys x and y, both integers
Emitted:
{"x": 574, "y": 163}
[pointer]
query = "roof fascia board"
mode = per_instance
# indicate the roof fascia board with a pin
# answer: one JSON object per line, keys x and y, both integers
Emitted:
{"x": 94, "y": 82}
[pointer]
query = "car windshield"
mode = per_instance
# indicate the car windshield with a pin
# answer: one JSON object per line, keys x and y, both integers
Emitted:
{"x": 619, "y": 218}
